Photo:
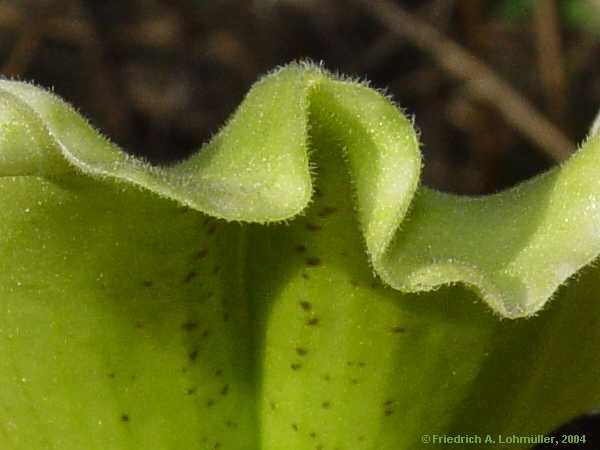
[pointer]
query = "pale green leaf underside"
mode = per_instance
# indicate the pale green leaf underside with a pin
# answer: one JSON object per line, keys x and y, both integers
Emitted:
{"x": 514, "y": 248}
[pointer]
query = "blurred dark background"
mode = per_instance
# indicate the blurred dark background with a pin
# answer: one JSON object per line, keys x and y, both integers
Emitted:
{"x": 500, "y": 90}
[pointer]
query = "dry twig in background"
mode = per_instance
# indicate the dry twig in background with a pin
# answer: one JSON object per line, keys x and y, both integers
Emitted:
{"x": 550, "y": 61}
{"x": 480, "y": 79}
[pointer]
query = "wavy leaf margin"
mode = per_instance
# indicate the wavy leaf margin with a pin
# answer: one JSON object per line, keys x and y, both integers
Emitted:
{"x": 514, "y": 248}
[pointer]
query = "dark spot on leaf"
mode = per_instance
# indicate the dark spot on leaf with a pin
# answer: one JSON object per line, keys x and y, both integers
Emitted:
{"x": 191, "y": 391}
{"x": 273, "y": 406}
{"x": 300, "y": 248}
{"x": 190, "y": 276}
{"x": 305, "y": 275}
{"x": 139, "y": 325}
{"x": 388, "y": 403}
{"x": 398, "y": 330}
{"x": 296, "y": 366}
{"x": 313, "y": 261}
{"x": 226, "y": 317}
{"x": 230, "y": 424}
{"x": 294, "y": 427}
{"x": 225, "y": 389}
{"x": 306, "y": 306}
{"x": 193, "y": 355}
{"x": 124, "y": 418}
{"x": 216, "y": 270}
{"x": 318, "y": 193}
{"x": 313, "y": 435}
{"x": 202, "y": 253}
{"x": 326, "y": 405}
{"x": 210, "y": 402}
{"x": 349, "y": 363}
{"x": 327, "y": 377}
{"x": 313, "y": 321}
{"x": 361, "y": 364}
{"x": 111, "y": 375}
{"x": 313, "y": 227}
{"x": 147, "y": 283}
{"x": 354, "y": 283}
{"x": 219, "y": 372}
{"x": 205, "y": 333}
{"x": 212, "y": 228}
{"x": 189, "y": 326}
{"x": 374, "y": 285}
{"x": 388, "y": 412}
{"x": 353, "y": 381}
{"x": 301, "y": 351}
{"x": 217, "y": 446}
{"x": 326, "y": 211}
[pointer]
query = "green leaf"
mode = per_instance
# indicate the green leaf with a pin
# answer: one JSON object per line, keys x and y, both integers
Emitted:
{"x": 514, "y": 10}
{"x": 581, "y": 15}
{"x": 133, "y": 316}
